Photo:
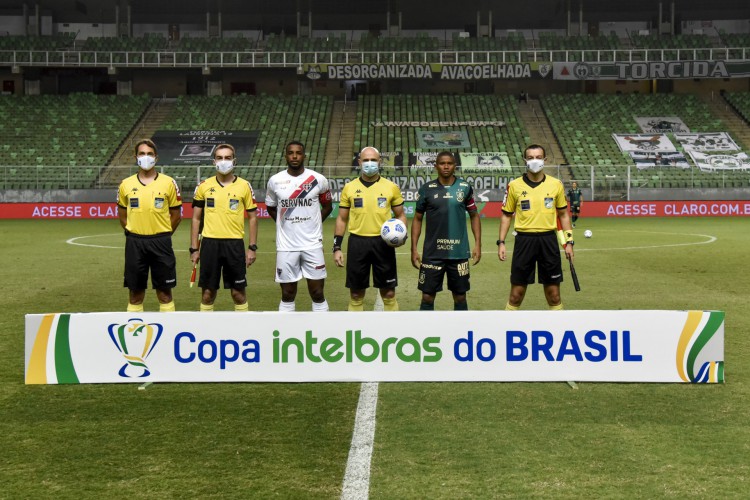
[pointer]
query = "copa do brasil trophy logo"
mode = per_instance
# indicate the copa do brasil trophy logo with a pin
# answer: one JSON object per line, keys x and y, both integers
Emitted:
{"x": 135, "y": 340}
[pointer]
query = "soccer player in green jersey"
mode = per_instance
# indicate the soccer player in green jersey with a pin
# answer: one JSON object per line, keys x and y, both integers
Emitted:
{"x": 575, "y": 199}
{"x": 445, "y": 202}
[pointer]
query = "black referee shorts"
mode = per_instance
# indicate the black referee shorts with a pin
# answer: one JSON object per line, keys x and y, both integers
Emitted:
{"x": 365, "y": 252}
{"x": 149, "y": 252}
{"x": 536, "y": 250}
{"x": 223, "y": 258}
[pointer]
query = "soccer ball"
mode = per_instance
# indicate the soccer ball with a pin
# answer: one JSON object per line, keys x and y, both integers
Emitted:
{"x": 588, "y": 234}
{"x": 393, "y": 232}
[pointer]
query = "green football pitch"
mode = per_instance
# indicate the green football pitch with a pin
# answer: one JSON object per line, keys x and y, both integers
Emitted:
{"x": 432, "y": 440}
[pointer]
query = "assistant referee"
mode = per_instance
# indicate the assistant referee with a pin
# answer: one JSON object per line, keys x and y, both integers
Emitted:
{"x": 537, "y": 200}
{"x": 148, "y": 206}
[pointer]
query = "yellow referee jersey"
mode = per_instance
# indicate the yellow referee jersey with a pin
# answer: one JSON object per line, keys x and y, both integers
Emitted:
{"x": 224, "y": 207}
{"x": 148, "y": 204}
{"x": 534, "y": 203}
{"x": 369, "y": 206}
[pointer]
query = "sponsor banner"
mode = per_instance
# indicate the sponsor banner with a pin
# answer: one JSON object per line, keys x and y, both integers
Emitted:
{"x": 666, "y": 209}
{"x": 423, "y": 71}
{"x": 447, "y": 139}
{"x": 651, "y": 143}
{"x": 653, "y": 70}
{"x": 606, "y": 346}
{"x": 712, "y": 162}
{"x": 661, "y": 124}
{"x": 707, "y": 141}
{"x": 484, "y": 162}
{"x": 643, "y": 159}
{"x": 450, "y": 123}
{"x": 196, "y": 147}
{"x": 81, "y": 211}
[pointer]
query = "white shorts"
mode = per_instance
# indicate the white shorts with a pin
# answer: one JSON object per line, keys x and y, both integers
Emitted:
{"x": 293, "y": 266}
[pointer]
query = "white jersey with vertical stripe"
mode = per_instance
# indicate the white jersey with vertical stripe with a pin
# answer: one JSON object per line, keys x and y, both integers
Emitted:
{"x": 298, "y": 203}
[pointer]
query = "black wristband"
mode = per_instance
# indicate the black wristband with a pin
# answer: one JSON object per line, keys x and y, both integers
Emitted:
{"x": 500, "y": 242}
{"x": 338, "y": 241}
{"x": 192, "y": 250}
{"x": 252, "y": 247}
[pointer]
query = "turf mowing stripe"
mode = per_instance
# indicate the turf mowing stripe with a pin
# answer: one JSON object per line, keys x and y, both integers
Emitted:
{"x": 357, "y": 475}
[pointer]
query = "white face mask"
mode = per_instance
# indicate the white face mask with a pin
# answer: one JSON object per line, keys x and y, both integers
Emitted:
{"x": 224, "y": 166}
{"x": 146, "y": 162}
{"x": 370, "y": 168}
{"x": 535, "y": 166}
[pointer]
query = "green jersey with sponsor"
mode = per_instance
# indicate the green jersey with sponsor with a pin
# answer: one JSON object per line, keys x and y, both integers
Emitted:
{"x": 445, "y": 209}
{"x": 575, "y": 196}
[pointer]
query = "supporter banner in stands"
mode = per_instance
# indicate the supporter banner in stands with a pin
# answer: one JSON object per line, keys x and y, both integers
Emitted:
{"x": 644, "y": 142}
{"x": 652, "y": 70}
{"x": 449, "y": 123}
{"x": 435, "y": 71}
{"x": 707, "y": 141}
{"x": 388, "y": 159}
{"x": 484, "y": 162}
{"x": 487, "y": 186}
{"x": 448, "y": 139}
{"x": 196, "y": 147}
{"x": 661, "y": 124}
{"x": 711, "y": 162}
{"x": 643, "y": 159}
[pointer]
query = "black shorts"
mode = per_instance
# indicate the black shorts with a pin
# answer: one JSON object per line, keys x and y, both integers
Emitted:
{"x": 364, "y": 252}
{"x": 149, "y": 252}
{"x": 223, "y": 258}
{"x": 431, "y": 276}
{"x": 575, "y": 208}
{"x": 532, "y": 249}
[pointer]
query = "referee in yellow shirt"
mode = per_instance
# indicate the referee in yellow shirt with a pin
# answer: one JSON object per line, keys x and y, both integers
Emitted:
{"x": 366, "y": 203}
{"x": 537, "y": 200}
{"x": 148, "y": 205}
{"x": 222, "y": 202}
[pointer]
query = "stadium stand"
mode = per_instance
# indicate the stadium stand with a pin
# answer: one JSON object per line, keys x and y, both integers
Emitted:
{"x": 277, "y": 119}
{"x": 66, "y": 138}
{"x": 579, "y": 48}
{"x": 584, "y": 124}
{"x": 509, "y": 138}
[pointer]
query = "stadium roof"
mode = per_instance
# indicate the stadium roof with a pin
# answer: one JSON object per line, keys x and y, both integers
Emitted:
{"x": 364, "y": 14}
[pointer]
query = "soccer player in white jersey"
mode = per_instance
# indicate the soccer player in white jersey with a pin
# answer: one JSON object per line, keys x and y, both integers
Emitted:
{"x": 299, "y": 200}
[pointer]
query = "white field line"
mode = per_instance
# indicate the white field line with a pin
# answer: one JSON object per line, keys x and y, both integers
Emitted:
{"x": 710, "y": 239}
{"x": 357, "y": 476}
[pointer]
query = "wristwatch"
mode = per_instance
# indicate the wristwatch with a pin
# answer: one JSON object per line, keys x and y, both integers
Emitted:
{"x": 500, "y": 242}
{"x": 192, "y": 250}
{"x": 252, "y": 247}
{"x": 570, "y": 243}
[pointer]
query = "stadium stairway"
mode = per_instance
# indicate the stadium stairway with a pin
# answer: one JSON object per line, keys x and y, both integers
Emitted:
{"x": 150, "y": 122}
{"x": 540, "y": 132}
{"x": 735, "y": 124}
{"x": 341, "y": 136}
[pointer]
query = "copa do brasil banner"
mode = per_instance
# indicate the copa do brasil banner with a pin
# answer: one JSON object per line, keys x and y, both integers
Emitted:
{"x": 607, "y": 346}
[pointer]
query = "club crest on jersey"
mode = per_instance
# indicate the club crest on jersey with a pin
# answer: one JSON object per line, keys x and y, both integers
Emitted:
{"x": 548, "y": 202}
{"x": 460, "y": 196}
{"x": 307, "y": 186}
{"x": 382, "y": 202}
{"x": 234, "y": 204}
